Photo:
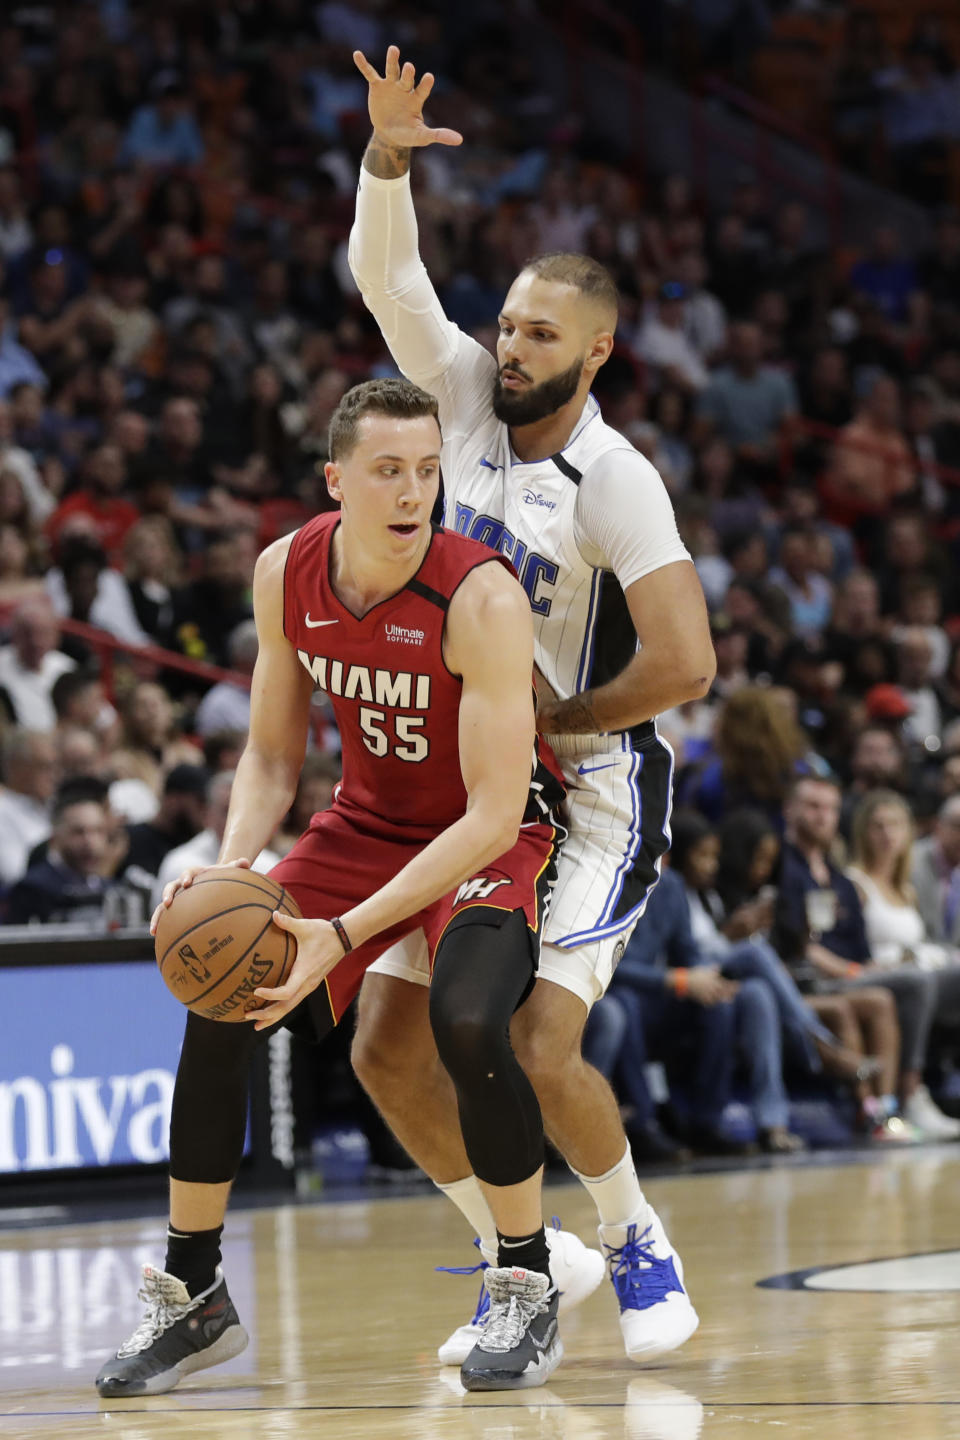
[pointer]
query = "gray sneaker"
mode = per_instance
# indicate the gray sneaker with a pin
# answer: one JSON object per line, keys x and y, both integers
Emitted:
{"x": 519, "y": 1346}
{"x": 176, "y": 1336}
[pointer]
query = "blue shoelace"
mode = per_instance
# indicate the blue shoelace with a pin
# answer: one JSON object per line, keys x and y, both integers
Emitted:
{"x": 483, "y": 1302}
{"x": 640, "y": 1278}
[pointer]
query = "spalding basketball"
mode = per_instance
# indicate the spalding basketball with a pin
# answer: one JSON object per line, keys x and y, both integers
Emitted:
{"x": 217, "y": 943}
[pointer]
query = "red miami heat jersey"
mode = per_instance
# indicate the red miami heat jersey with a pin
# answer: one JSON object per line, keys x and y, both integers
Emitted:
{"x": 396, "y": 704}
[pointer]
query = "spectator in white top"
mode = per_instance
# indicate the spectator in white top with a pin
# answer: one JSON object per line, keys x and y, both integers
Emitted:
{"x": 38, "y": 499}
{"x": 84, "y": 587}
{"x": 204, "y": 848}
{"x": 31, "y": 663}
{"x": 921, "y": 608}
{"x": 665, "y": 345}
{"x": 560, "y": 222}
{"x": 915, "y": 674}
{"x": 226, "y": 706}
{"x": 704, "y": 318}
{"x": 16, "y": 236}
{"x": 29, "y": 776}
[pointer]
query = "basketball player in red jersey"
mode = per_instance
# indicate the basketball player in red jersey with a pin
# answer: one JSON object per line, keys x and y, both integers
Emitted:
{"x": 424, "y": 642}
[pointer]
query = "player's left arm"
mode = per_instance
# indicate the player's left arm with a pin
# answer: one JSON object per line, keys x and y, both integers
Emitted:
{"x": 489, "y": 643}
{"x": 627, "y": 521}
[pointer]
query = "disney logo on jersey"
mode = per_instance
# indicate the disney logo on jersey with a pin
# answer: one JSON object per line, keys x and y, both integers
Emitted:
{"x": 403, "y": 635}
{"x": 531, "y": 497}
{"x": 538, "y": 575}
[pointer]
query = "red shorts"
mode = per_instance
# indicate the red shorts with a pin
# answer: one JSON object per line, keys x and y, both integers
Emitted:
{"x": 337, "y": 863}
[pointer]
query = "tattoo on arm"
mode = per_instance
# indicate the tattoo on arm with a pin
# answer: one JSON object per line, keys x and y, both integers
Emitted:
{"x": 386, "y": 162}
{"x": 569, "y": 717}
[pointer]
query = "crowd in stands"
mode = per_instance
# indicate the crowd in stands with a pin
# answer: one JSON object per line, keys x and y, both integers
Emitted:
{"x": 873, "y": 83}
{"x": 177, "y": 323}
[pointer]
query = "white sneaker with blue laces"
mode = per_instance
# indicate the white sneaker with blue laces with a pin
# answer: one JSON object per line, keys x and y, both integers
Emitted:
{"x": 647, "y": 1274}
{"x": 576, "y": 1270}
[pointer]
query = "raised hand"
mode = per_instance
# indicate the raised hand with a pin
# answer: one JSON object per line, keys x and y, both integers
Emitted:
{"x": 396, "y": 104}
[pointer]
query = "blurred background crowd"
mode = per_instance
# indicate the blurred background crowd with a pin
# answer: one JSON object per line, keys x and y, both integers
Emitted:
{"x": 177, "y": 323}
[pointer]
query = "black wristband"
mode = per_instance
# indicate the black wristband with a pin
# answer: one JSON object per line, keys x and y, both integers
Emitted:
{"x": 342, "y": 935}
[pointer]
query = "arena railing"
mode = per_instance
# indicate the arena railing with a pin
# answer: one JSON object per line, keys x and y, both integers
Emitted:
{"x": 704, "y": 127}
{"x": 147, "y": 660}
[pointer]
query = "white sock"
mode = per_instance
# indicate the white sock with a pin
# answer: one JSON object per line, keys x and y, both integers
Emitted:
{"x": 617, "y": 1194}
{"x": 472, "y": 1204}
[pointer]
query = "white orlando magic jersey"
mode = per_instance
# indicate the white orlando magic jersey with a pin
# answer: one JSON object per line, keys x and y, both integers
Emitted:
{"x": 579, "y": 527}
{"x": 549, "y": 517}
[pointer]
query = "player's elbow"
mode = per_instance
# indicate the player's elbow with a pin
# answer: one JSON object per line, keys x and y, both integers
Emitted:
{"x": 505, "y": 838}
{"x": 697, "y": 667}
{"x": 502, "y": 831}
{"x": 700, "y": 678}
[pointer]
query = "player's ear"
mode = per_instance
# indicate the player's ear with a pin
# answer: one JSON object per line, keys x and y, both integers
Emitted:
{"x": 598, "y": 351}
{"x": 331, "y": 472}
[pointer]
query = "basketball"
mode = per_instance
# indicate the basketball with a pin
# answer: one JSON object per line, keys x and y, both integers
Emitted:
{"x": 217, "y": 943}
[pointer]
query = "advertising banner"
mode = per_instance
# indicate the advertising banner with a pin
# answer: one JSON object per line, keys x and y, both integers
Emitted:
{"x": 87, "y": 1066}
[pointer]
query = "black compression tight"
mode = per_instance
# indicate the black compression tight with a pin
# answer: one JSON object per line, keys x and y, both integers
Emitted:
{"x": 209, "y": 1116}
{"x": 481, "y": 974}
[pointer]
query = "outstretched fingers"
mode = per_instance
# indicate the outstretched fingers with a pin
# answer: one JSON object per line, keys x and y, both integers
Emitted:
{"x": 445, "y": 137}
{"x": 391, "y": 70}
{"x": 368, "y": 71}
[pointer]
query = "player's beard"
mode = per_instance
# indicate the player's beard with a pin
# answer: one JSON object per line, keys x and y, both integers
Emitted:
{"x": 536, "y": 402}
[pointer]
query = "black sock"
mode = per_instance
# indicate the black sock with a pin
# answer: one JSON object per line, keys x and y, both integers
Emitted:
{"x": 527, "y": 1251}
{"x": 193, "y": 1258}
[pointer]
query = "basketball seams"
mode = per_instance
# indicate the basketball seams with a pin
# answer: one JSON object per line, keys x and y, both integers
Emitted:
{"x": 239, "y": 961}
{"x": 284, "y": 898}
{"x": 208, "y": 920}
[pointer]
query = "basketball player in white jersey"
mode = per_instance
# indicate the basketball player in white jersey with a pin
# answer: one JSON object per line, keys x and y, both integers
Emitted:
{"x": 621, "y": 633}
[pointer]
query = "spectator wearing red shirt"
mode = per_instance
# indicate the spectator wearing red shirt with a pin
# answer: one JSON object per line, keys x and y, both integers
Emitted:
{"x": 100, "y": 501}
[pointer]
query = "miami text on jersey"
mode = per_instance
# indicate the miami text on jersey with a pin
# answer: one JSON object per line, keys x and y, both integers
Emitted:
{"x": 394, "y": 689}
{"x": 538, "y": 575}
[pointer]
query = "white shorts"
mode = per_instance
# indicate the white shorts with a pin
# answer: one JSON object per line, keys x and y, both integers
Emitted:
{"x": 618, "y": 814}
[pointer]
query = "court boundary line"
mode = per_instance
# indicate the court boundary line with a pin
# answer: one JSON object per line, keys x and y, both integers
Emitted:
{"x": 442, "y": 1409}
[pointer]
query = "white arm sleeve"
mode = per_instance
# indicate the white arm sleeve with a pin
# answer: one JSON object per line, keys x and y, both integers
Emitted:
{"x": 623, "y": 520}
{"x": 428, "y": 348}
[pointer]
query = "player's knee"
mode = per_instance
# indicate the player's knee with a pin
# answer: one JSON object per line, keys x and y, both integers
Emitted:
{"x": 550, "y": 1067}
{"x": 548, "y": 1043}
{"x": 392, "y": 1040}
{"x": 377, "y": 1059}
{"x": 470, "y": 1041}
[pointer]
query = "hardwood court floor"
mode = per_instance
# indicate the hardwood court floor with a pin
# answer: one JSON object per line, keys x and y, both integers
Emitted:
{"x": 345, "y": 1312}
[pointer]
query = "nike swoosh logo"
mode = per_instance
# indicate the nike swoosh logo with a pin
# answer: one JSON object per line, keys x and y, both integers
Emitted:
{"x": 589, "y": 769}
{"x": 315, "y": 624}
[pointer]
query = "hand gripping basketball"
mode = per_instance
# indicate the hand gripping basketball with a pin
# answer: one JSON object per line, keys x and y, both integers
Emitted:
{"x": 184, "y": 881}
{"x": 319, "y": 949}
{"x": 396, "y": 103}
